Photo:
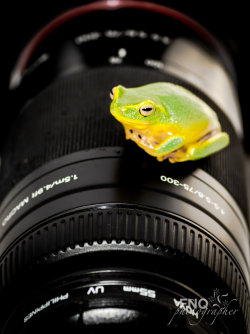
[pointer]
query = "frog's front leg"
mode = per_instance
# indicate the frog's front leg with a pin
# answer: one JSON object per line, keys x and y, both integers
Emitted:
{"x": 202, "y": 148}
{"x": 170, "y": 144}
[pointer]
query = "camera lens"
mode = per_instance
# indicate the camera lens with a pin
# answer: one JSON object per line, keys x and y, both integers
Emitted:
{"x": 94, "y": 233}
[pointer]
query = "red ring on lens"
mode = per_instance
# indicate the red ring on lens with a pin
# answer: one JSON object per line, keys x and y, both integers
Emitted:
{"x": 29, "y": 49}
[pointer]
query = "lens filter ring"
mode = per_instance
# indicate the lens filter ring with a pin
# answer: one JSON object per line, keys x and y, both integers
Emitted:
{"x": 124, "y": 230}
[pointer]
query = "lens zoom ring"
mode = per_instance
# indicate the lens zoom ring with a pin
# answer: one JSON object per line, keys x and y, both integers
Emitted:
{"x": 72, "y": 114}
{"x": 124, "y": 224}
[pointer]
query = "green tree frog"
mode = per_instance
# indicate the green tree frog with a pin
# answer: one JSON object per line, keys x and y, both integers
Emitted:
{"x": 168, "y": 121}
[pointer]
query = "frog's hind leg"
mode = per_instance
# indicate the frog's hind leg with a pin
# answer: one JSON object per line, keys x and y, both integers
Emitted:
{"x": 209, "y": 146}
{"x": 205, "y": 147}
{"x": 170, "y": 144}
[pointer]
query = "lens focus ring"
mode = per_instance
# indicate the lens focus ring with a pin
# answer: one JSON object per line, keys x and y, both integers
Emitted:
{"x": 138, "y": 225}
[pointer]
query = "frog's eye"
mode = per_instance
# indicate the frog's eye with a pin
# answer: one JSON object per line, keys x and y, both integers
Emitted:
{"x": 147, "y": 110}
{"x": 112, "y": 93}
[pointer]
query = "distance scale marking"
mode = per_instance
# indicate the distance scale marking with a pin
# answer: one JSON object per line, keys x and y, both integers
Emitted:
{"x": 130, "y": 33}
{"x": 109, "y": 34}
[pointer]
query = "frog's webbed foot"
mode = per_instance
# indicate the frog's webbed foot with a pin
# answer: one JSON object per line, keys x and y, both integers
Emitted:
{"x": 202, "y": 148}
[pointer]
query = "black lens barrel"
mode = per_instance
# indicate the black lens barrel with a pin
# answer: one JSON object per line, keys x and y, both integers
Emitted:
{"x": 72, "y": 114}
{"x": 94, "y": 233}
{"x": 61, "y": 224}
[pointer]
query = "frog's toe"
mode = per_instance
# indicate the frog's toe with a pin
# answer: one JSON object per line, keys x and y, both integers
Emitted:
{"x": 179, "y": 158}
{"x": 161, "y": 158}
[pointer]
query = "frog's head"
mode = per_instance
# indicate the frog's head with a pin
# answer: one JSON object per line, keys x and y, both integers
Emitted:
{"x": 135, "y": 108}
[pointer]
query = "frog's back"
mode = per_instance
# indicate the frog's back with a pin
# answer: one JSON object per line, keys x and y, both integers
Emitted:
{"x": 182, "y": 106}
